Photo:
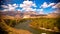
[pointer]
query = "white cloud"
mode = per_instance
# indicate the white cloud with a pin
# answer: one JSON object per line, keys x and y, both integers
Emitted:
{"x": 54, "y": 7}
{"x": 14, "y": 4}
{"x": 5, "y": 10}
{"x": 34, "y": 9}
{"x": 51, "y": 4}
{"x": 57, "y": 5}
{"x": 18, "y": 10}
{"x": 41, "y": 11}
{"x": 45, "y": 5}
{"x": 27, "y": 5}
{"x": 9, "y": 7}
{"x": 55, "y": 12}
{"x": 34, "y": 5}
{"x": 29, "y": 9}
{"x": 4, "y": 6}
{"x": 21, "y": 5}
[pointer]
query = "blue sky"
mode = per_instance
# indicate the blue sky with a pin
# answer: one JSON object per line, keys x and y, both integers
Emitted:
{"x": 39, "y": 4}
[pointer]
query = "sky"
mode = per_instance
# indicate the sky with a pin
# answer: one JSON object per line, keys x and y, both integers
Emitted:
{"x": 40, "y": 6}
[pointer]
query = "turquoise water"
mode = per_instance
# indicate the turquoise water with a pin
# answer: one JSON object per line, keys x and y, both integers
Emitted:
{"x": 25, "y": 26}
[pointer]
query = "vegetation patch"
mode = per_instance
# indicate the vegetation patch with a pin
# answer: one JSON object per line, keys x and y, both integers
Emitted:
{"x": 48, "y": 23}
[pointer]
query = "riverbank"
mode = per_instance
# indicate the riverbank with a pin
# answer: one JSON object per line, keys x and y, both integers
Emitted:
{"x": 19, "y": 31}
{"x": 12, "y": 30}
{"x": 45, "y": 29}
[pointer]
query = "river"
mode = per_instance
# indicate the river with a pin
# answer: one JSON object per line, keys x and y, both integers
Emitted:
{"x": 25, "y": 26}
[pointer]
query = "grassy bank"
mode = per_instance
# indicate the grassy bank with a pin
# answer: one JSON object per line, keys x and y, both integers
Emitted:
{"x": 47, "y": 23}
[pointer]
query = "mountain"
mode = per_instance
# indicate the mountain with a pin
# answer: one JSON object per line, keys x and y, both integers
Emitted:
{"x": 19, "y": 14}
{"x": 54, "y": 14}
{"x": 29, "y": 14}
{"x": 11, "y": 14}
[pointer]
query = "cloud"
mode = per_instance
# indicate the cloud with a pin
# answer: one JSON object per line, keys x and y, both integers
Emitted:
{"x": 4, "y": 6}
{"x": 5, "y": 10}
{"x": 41, "y": 11}
{"x": 14, "y": 4}
{"x": 51, "y": 4}
{"x": 21, "y": 5}
{"x": 57, "y": 5}
{"x": 34, "y": 5}
{"x": 9, "y": 7}
{"x": 45, "y": 5}
{"x": 28, "y": 9}
{"x": 58, "y": 8}
{"x": 34, "y": 9}
{"x": 18, "y": 10}
{"x": 26, "y": 5}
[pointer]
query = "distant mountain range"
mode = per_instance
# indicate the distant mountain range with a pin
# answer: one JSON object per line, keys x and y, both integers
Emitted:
{"x": 28, "y": 14}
